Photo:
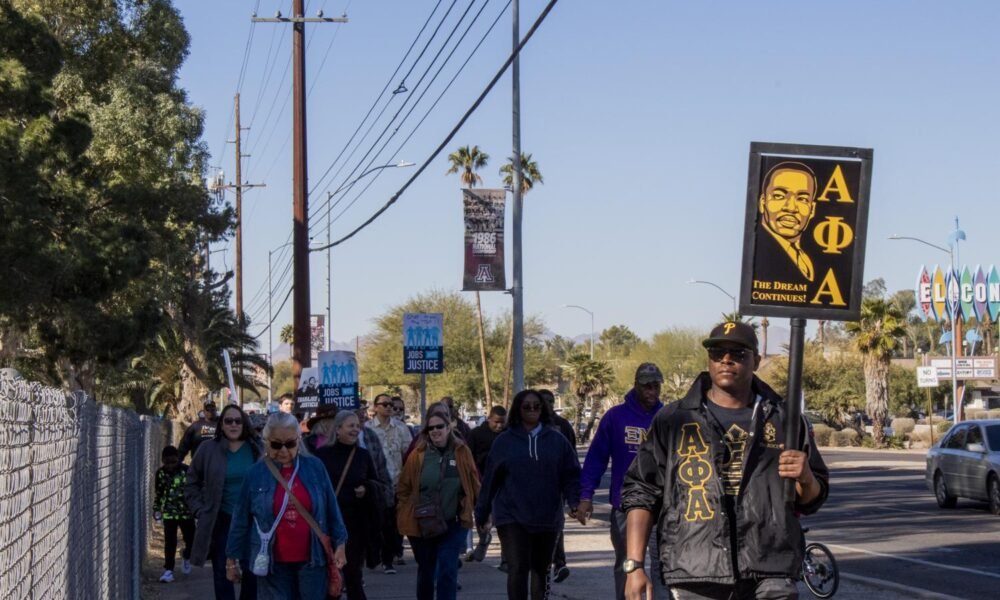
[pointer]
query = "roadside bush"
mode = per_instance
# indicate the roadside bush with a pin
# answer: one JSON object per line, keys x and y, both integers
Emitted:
{"x": 822, "y": 433}
{"x": 993, "y": 414}
{"x": 903, "y": 426}
{"x": 921, "y": 438}
{"x": 844, "y": 438}
{"x": 943, "y": 426}
{"x": 977, "y": 414}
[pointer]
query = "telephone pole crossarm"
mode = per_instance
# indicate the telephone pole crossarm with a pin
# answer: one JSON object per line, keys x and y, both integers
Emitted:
{"x": 299, "y": 19}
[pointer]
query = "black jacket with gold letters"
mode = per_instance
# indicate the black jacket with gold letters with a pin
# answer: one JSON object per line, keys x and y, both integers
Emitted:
{"x": 703, "y": 537}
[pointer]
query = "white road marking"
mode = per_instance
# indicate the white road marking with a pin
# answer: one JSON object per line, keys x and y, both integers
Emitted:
{"x": 898, "y": 587}
{"x": 905, "y": 510}
{"x": 918, "y": 561}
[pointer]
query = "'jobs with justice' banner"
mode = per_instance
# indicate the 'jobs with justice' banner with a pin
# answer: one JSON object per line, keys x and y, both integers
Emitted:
{"x": 804, "y": 238}
{"x": 423, "y": 343}
{"x": 338, "y": 379}
{"x": 484, "y": 259}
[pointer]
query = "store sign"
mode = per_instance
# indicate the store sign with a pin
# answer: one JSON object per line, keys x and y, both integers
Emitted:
{"x": 966, "y": 367}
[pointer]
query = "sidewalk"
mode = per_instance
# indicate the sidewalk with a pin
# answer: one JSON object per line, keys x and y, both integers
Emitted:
{"x": 588, "y": 551}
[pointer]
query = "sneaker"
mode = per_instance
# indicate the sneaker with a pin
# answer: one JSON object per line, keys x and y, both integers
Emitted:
{"x": 561, "y": 574}
{"x": 480, "y": 551}
{"x": 502, "y": 567}
{"x": 186, "y": 567}
{"x": 399, "y": 561}
{"x": 167, "y": 577}
{"x": 389, "y": 570}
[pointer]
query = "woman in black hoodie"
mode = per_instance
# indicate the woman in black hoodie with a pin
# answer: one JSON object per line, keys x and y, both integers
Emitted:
{"x": 530, "y": 455}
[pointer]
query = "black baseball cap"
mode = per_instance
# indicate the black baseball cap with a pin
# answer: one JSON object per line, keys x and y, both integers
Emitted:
{"x": 735, "y": 332}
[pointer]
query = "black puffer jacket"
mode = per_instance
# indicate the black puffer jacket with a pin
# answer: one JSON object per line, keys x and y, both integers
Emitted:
{"x": 676, "y": 476}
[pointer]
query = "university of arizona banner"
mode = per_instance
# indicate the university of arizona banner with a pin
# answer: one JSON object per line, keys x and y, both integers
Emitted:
{"x": 484, "y": 259}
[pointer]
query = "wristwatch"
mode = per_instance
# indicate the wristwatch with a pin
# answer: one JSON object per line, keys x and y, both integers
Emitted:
{"x": 629, "y": 565}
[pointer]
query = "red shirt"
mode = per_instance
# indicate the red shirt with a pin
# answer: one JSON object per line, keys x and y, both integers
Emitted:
{"x": 291, "y": 539}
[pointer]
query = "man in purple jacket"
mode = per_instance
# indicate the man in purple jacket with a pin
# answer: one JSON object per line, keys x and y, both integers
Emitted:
{"x": 621, "y": 431}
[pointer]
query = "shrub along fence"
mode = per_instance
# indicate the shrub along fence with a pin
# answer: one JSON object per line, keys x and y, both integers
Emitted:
{"x": 76, "y": 490}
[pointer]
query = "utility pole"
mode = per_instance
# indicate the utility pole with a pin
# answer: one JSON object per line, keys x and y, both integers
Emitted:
{"x": 301, "y": 344}
{"x": 517, "y": 292}
{"x": 238, "y": 188}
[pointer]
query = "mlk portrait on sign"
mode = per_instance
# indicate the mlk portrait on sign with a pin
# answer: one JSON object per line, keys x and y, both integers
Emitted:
{"x": 787, "y": 205}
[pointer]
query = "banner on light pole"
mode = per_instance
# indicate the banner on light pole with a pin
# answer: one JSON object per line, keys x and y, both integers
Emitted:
{"x": 484, "y": 225}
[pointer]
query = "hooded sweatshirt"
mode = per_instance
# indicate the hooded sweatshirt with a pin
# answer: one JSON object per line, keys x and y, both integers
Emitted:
{"x": 621, "y": 431}
{"x": 529, "y": 475}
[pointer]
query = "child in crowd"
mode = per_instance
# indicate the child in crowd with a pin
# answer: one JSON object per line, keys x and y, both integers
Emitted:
{"x": 171, "y": 509}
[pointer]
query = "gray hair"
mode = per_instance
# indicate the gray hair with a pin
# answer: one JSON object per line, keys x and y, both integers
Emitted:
{"x": 342, "y": 417}
{"x": 280, "y": 420}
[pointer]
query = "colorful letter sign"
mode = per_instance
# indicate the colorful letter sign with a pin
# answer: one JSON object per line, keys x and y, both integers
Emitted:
{"x": 976, "y": 294}
{"x": 423, "y": 343}
{"x": 806, "y": 222}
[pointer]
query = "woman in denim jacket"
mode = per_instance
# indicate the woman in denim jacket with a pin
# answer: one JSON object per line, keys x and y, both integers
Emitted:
{"x": 296, "y": 561}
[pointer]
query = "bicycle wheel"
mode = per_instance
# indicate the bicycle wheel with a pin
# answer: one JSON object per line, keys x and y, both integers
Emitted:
{"x": 819, "y": 571}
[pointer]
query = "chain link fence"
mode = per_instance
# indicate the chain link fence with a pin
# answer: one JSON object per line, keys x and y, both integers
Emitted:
{"x": 76, "y": 489}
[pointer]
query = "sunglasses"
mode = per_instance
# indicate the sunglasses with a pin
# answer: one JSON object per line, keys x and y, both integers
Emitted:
{"x": 531, "y": 407}
{"x": 278, "y": 445}
{"x": 397, "y": 408}
{"x": 232, "y": 421}
{"x": 737, "y": 354}
{"x": 437, "y": 427}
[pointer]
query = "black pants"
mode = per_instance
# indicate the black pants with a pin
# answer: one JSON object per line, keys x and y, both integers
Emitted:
{"x": 559, "y": 557}
{"x": 170, "y": 540}
{"x": 392, "y": 542}
{"x": 354, "y": 578}
{"x": 224, "y": 590}
{"x": 771, "y": 588}
{"x": 529, "y": 556}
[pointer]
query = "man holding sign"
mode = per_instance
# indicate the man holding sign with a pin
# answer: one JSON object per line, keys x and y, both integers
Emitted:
{"x": 712, "y": 474}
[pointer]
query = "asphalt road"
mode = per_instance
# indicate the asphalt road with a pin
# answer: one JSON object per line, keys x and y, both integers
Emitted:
{"x": 883, "y": 524}
{"x": 885, "y": 529}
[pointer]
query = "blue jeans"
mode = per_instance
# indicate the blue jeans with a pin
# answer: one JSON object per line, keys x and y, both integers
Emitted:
{"x": 437, "y": 562}
{"x": 293, "y": 581}
{"x": 224, "y": 590}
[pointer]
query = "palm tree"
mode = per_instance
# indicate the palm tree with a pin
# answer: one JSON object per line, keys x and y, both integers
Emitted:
{"x": 876, "y": 336}
{"x": 530, "y": 175}
{"x": 591, "y": 380}
{"x": 287, "y": 334}
{"x": 467, "y": 161}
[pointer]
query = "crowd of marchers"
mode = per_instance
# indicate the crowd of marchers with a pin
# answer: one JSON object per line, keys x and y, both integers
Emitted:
{"x": 291, "y": 508}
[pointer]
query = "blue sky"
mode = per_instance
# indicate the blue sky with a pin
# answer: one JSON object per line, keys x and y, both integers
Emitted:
{"x": 640, "y": 115}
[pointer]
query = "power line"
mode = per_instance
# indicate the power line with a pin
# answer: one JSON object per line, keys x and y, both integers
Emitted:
{"x": 239, "y": 84}
{"x": 420, "y": 98}
{"x": 275, "y": 318}
{"x": 380, "y": 94}
{"x": 503, "y": 69}
{"x": 408, "y": 98}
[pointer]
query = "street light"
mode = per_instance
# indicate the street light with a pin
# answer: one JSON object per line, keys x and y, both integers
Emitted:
{"x": 329, "y": 265}
{"x": 950, "y": 251}
{"x": 270, "y": 320}
{"x": 591, "y": 325}
{"x": 731, "y": 297}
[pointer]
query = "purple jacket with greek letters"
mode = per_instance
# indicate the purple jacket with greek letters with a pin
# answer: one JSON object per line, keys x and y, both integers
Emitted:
{"x": 621, "y": 431}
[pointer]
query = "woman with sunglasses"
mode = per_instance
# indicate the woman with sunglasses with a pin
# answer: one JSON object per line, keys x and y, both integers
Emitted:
{"x": 352, "y": 471}
{"x": 531, "y": 454}
{"x": 440, "y": 472}
{"x": 213, "y": 487}
{"x": 293, "y": 556}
